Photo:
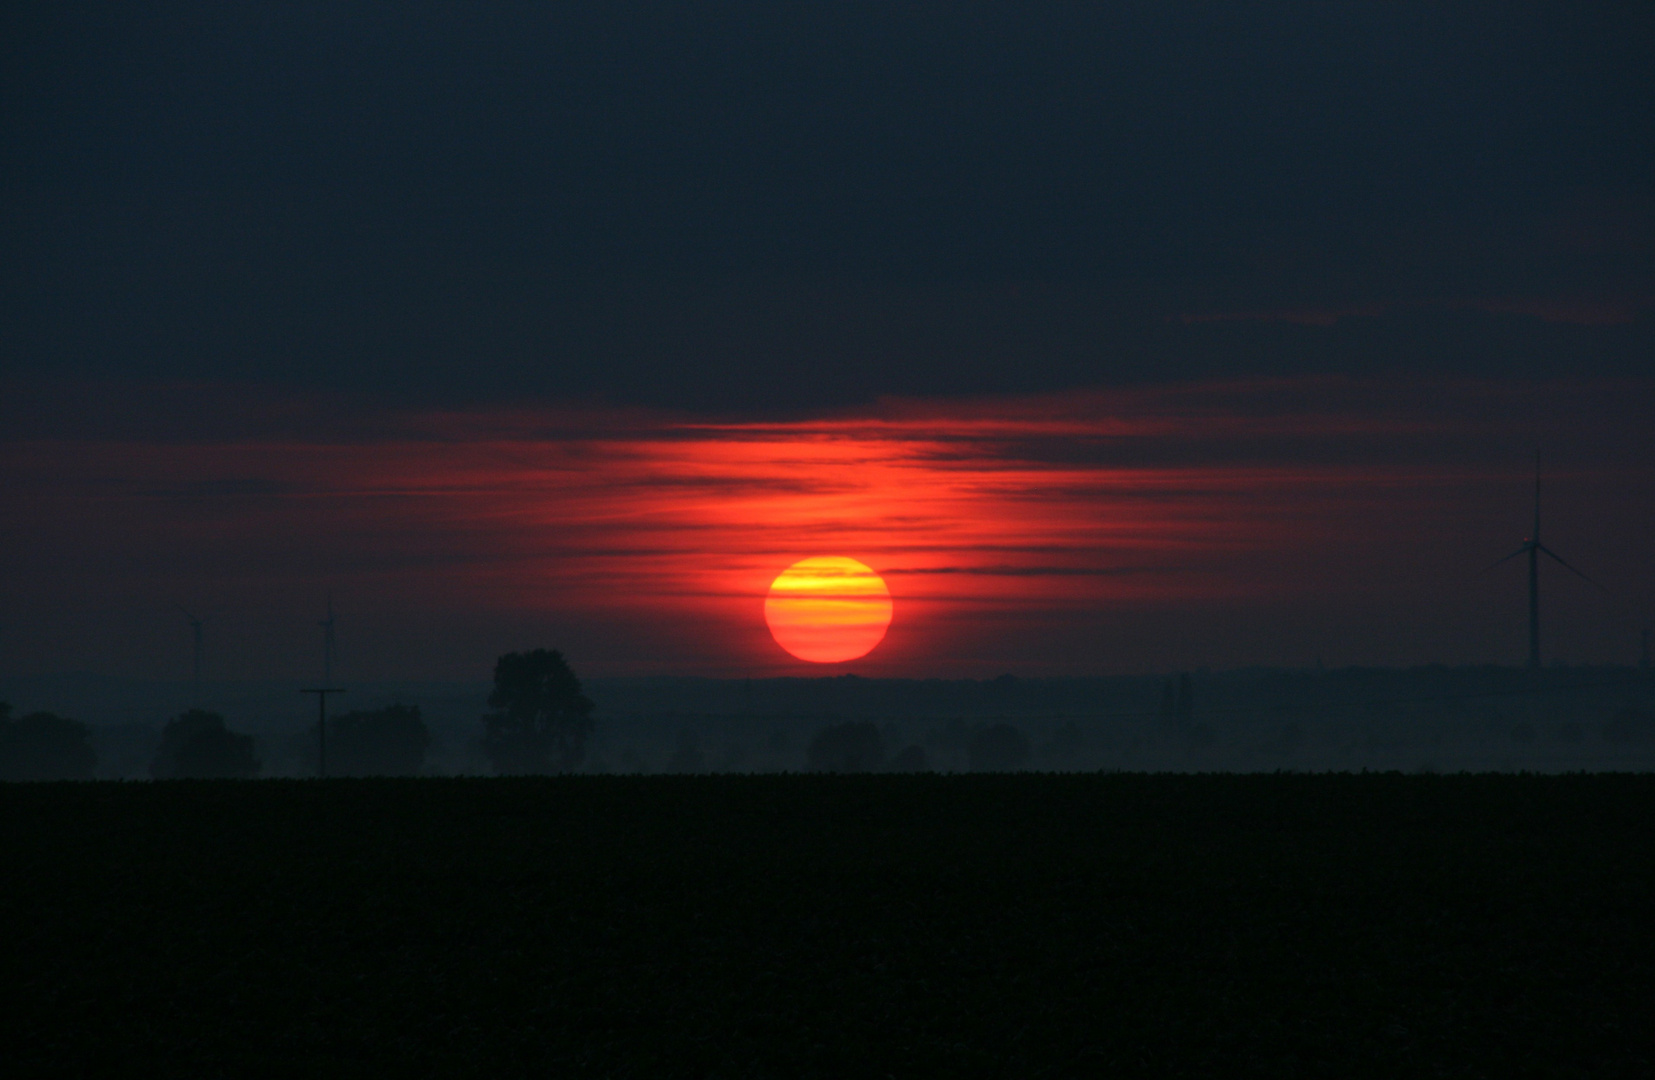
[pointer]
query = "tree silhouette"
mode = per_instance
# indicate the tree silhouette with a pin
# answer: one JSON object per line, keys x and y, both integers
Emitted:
{"x": 44, "y": 746}
{"x": 378, "y": 742}
{"x": 846, "y": 748}
{"x": 541, "y": 714}
{"x": 998, "y": 748}
{"x": 196, "y": 745}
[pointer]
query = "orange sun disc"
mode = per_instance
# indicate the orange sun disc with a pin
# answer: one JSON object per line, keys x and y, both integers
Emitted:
{"x": 828, "y": 609}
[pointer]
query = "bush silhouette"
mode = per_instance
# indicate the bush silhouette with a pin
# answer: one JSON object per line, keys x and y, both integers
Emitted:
{"x": 44, "y": 746}
{"x": 846, "y": 748}
{"x": 998, "y": 748}
{"x": 541, "y": 714}
{"x": 196, "y": 745}
{"x": 378, "y": 742}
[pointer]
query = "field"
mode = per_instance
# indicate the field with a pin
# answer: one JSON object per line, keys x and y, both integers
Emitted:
{"x": 995, "y": 926}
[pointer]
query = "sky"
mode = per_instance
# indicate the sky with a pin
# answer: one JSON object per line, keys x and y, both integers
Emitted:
{"x": 1127, "y": 337}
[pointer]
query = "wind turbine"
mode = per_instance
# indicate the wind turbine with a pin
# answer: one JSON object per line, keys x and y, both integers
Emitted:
{"x": 195, "y": 632}
{"x": 1533, "y": 548}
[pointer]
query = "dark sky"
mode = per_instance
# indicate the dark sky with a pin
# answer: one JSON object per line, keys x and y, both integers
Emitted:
{"x": 789, "y": 206}
{"x": 1122, "y": 336}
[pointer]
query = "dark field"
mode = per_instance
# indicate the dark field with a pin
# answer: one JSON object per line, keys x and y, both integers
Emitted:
{"x": 1006, "y": 926}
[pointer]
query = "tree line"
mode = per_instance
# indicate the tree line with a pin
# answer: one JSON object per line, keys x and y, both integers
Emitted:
{"x": 539, "y": 722}
{"x": 199, "y": 745}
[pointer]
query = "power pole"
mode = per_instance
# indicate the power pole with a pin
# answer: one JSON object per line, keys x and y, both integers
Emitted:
{"x": 1534, "y": 574}
{"x": 196, "y": 626}
{"x": 327, "y": 644}
{"x": 322, "y": 693}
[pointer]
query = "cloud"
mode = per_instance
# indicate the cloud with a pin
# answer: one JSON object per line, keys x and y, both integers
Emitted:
{"x": 1053, "y": 509}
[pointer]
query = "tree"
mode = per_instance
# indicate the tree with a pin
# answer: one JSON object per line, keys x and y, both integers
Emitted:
{"x": 998, "y": 748}
{"x": 196, "y": 745}
{"x": 44, "y": 746}
{"x": 378, "y": 742}
{"x": 846, "y": 748}
{"x": 541, "y": 714}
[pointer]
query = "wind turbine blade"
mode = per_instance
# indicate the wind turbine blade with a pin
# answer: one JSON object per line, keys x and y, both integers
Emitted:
{"x": 1559, "y": 560}
{"x": 1524, "y": 550}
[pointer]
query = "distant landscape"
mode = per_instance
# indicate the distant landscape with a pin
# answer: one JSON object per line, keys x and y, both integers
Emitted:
{"x": 1262, "y": 720}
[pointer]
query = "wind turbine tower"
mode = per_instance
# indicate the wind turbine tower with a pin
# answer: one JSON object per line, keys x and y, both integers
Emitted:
{"x": 1533, "y": 548}
{"x": 195, "y": 633}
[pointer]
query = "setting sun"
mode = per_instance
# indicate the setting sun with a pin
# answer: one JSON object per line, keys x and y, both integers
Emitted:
{"x": 828, "y": 609}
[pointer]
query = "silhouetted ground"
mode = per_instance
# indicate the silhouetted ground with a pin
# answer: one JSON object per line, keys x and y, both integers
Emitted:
{"x": 1007, "y": 926}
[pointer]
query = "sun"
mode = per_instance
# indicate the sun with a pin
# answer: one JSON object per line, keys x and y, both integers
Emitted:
{"x": 828, "y": 609}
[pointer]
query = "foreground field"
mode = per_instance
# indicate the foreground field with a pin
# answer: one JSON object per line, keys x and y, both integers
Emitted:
{"x": 1007, "y": 926}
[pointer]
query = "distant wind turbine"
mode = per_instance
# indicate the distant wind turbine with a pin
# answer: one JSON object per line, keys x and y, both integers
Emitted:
{"x": 1533, "y": 548}
{"x": 195, "y": 632}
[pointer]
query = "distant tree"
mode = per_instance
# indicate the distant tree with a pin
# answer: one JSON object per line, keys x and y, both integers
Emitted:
{"x": 378, "y": 742}
{"x": 910, "y": 758}
{"x": 1000, "y": 687}
{"x": 846, "y": 748}
{"x": 44, "y": 746}
{"x": 196, "y": 745}
{"x": 998, "y": 748}
{"x": 541, "y": 714}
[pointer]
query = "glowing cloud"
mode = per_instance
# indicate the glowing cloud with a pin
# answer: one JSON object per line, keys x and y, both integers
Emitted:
{"x": 1132, "y": 529}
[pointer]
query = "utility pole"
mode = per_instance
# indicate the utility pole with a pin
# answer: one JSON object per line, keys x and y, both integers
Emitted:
{"x": 327, "y": 644}
{"x": 322, "y": 693}
{"x": 196, "y": 626}
{"x": 1534, "y": 574}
